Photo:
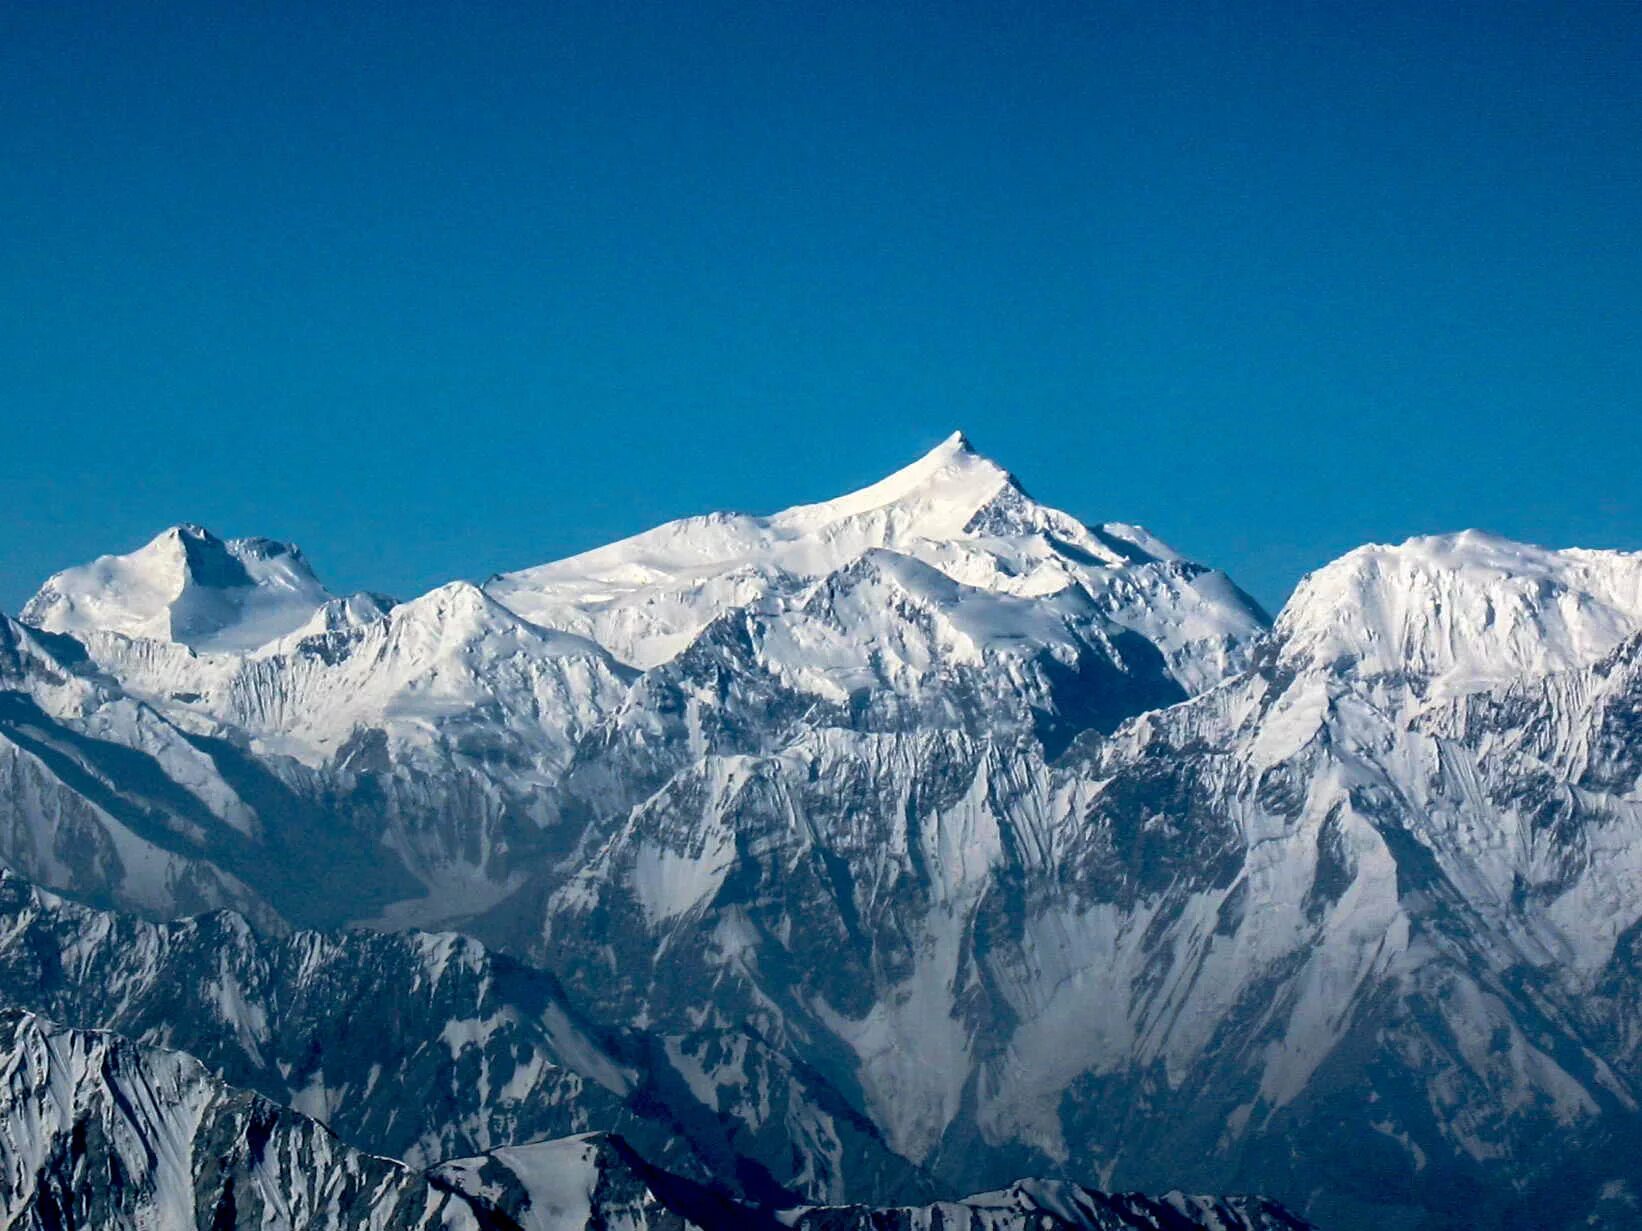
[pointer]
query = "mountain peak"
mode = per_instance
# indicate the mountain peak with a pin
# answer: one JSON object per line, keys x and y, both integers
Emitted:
{"x": 1469, "y": 609}
{"x": 942, "y": 490}
{"x": 187, "y": 586}
{"x": 953, "y": 508}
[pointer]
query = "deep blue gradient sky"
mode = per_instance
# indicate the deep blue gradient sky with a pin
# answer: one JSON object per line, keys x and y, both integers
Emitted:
{"x": 438, "y": 290}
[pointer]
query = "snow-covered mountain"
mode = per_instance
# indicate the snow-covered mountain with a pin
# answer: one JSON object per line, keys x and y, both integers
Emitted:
{"x": 189, "y": 587}
{"x": 435, "y": 750}
{"x": 899, "y": 845}
{"x": 1465, "y": 611}
{"x": 646, "y": 598}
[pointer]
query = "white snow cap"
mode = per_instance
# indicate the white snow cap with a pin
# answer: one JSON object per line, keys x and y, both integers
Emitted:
{"x": 938, "y": 493}
{"x": 1467, "y": 609}
{"x": 644, "y": 598}
{"x": 186, "y": 586}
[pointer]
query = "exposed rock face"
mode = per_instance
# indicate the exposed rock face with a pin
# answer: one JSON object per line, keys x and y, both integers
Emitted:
{"x": 1051, "y": 1206}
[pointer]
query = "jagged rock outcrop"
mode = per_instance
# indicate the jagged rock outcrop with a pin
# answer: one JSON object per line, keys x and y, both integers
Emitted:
{"x": 98, "y": 1133}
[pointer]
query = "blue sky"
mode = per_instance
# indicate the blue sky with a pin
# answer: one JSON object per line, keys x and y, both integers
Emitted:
{"x": 437, "y": 290}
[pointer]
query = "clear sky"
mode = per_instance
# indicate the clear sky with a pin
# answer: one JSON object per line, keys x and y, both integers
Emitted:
{"x": 438, "y": 290}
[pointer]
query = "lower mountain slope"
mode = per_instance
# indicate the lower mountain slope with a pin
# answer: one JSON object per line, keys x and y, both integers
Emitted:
{"x": 423, "y": 1046}
{"x": 598, "y": 1180}
{"x": 98, "y": 1133}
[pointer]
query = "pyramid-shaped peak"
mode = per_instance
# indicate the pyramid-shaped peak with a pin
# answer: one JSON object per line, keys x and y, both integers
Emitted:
{"x": 198, "y": 542}
{"x": 947, "y": 484}
{"x": 190, "y": 554}
{"x": 955, "y": 450}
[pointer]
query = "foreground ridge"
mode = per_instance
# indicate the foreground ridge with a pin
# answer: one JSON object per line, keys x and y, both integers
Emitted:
{"x": 103, "y": 1133}
{"x": 99, "y": 1132}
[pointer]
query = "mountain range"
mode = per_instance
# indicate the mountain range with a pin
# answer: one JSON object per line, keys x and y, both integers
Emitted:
{"x": 824, "y": 867}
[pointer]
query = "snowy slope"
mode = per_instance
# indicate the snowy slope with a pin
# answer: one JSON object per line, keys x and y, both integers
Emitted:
{"x": 592, "y": 1180}
{"x": 180, "y": 767}
{"x": 450, "y": 660}
{"x": 106, "y": 796}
